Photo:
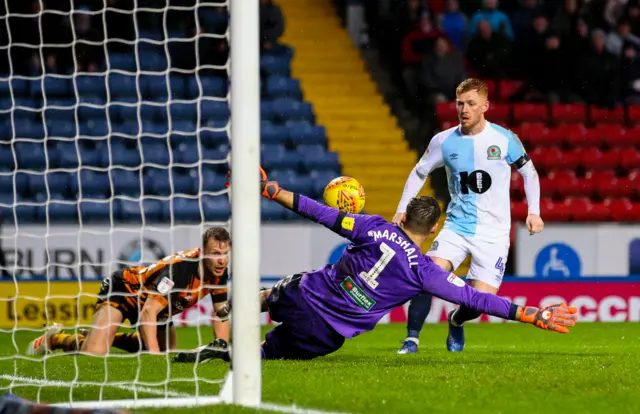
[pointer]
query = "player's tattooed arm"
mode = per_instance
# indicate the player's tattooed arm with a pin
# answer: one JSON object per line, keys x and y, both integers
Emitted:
{"x": 149, "y": 321}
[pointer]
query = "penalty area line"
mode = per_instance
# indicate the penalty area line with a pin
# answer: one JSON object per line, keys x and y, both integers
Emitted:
{"x": 67, "y": 384}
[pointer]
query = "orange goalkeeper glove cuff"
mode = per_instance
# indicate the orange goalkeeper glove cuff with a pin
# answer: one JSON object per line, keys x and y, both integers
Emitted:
{"x": 269, "y": 189}
{"x": 559, "y": 317}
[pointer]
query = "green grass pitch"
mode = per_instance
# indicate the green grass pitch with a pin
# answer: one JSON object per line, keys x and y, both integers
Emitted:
{"x": 506, "y": 368}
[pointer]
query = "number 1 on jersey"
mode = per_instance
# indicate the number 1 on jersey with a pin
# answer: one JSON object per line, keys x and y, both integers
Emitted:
{"x": 371, "y": 276}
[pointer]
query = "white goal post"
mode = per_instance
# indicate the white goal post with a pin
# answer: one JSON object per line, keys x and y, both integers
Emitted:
{"x": 243, "y": 383}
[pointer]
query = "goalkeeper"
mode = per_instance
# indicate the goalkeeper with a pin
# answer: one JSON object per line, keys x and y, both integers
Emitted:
{"x": 148, "y": 296}
{"x": 380, "y": 270}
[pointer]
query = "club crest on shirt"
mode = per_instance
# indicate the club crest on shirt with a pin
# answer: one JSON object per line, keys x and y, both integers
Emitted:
{"x": 434, "y": 246}
{"x": 494, "y": 153}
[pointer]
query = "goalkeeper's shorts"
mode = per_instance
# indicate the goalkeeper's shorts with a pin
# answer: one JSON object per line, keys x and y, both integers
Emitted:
{"x": 303, "y": 334}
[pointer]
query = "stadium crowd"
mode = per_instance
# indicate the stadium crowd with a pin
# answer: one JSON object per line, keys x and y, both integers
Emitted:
{"x": 563, "y": 50}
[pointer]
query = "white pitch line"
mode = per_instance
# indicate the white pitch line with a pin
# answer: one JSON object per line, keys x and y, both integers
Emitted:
{"x": 55, "y": 383}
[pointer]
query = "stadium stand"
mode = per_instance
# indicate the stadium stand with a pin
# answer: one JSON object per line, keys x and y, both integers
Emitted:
{"x": 132, "y": 130}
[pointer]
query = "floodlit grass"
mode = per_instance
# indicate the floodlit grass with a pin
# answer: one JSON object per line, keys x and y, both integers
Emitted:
{"x": 505, "y": 368}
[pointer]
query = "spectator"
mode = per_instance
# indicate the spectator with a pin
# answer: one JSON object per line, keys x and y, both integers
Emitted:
{"x": 633, "y": 15}
{"x": 523, "y": 18}
{"x": 565, "y": 20}
{"x": 631, "y": 75}
{"x": 271, "y": 24}
{"x": 489, "y": 53}
{"x": 599, "y": 74}
{"x": 419, "y": 42}
{"x": 618, "y": 39}
{"x": 551, "y": 75}
{"x": 614, "y": 10}
{"x": 442, "y": 71}
{"x": 454, "y": 24}
{"x": 497, "y": 19}
{"x": 87, "y": 52}
{"x": 532, "y": 46}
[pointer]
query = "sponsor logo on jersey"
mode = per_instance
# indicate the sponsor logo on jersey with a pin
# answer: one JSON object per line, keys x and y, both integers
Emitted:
{"x": 494, "y": 153}
{"x": 165, "y": 285}
{"x": 455, "y": 280}
{"x": 453, "y": 156}
{"x": 356, "y": 293}
{"x": 434, "y": 246}
{"x": 347, "y": 223}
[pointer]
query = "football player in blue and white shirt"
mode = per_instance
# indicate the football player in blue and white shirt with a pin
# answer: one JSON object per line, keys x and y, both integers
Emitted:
{"x": 477, "y": 156}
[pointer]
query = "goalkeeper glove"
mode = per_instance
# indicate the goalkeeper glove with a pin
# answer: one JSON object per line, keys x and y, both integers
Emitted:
{"x": 557, "y": 317}
{"x": 218, "y": 349}
{"x": 270, "y": 189}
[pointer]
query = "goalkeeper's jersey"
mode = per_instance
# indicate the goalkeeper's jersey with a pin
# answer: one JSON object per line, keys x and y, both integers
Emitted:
{"x": 175, "y": 281}
{"x": 479, "y": 176}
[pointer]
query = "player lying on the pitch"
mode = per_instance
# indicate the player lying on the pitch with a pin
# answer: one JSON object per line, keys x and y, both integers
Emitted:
{"x": 148, "y": 296}
{"x": 380, "y": 270}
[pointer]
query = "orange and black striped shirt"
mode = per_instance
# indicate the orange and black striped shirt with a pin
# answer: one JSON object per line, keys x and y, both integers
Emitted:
{"x": 175, "y": 281}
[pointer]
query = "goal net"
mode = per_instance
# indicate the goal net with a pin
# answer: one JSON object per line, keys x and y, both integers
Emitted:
{"x": 115, "y": 136}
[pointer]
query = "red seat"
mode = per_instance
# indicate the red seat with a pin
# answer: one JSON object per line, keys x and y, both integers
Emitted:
{"x": 517, "y": 186}
{"x": 595, "y": 159}
{"x": 448, "y": 124}
{"x": 499, "y": 112}
{"x": 582, "y": 209}
{"x": 569, "y": 113}
{"x": 492, "y": 87}
{"x": 519, "y": 210}
{"x": 547, "y": 158}
{"x": 606, "y": 116}
{"x": 568, "y": 133}
{"x": 630, "y": 158}
{"x": 532, "y": 134}
{"x": 530, "y": 112}
{"x": 633, "y": 113}
{"x": 631, "y": 137}
{"x": 622, "y": 209}
{"x": 507, "y": 88}
{"x": 565, "y": 183}
{"x": 446, "y": 111}
{"x": 547, "y": 187}
{"x": 552, "y": 211}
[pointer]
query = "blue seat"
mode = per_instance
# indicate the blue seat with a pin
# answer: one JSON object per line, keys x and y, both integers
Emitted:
{"x": 55, "y": 182}
{"x": 68, "y": 155}
{"x": 130, "y": 210}
{"x": 152, "y": 62}
{"x": 314, "y": 160}
{"x": 210, "y": 86}
{"x": 302, "y": 133}
{"x": 123, "y": 113}
{"x": 31, "y": 155}
{"x": 154, "y": 128}
{"x": 127, "y": 128}
{"x": 270, "y": 210}
{"x": 155, "y": 151}
{"x": 52, "y": 85}
{"x": 123, "y": 61}
{"x": 7, "y": 162}
{"x": 88, "y": 113}
{"x": 214, "y": 110}
{"x": 292, "y": 181}
{"x": 180, "y": 138}
{"x": 63, "y": 129}
{"x": 182, "y": 209}
{"x": 150, "y": 35}
{"x": 24, "y": 115}
{"x": 186, "y": 153}
{"x": 213, "y": 182}
{"x": 29, "y": 129}
{"x": 98, "y": 210}
{"x": 152, "y": 112}
{"x": 212, "y": 18}
{"x": 214, "y": 154}
{"x": 276, "y": 64}
{"x": 216, "y": 207}
{"x": 125, "y": 182}
{"x": 121, "y": 156}
{"x": 90, "y": 85}
{"x": 293, "y": 110}
{"x": 66, "y": 115}
{"x": 157, "y": 181}
{"x": 213, "y": 138}
{"x": 92, "y": 183}
{"x": 181, "y": 111}
{"x": 184, "y": 127}
{"x": 7, "y": 185}
{"x": 91, "y": 156}
{"x": 282, "y": 160}
{"x": 319, "y": 180}
{"x": 122, "y": 85}
{"x": 283, "y": 87}
{"x": 94, "y": 128}
{"x": 29, "y": 102}
{"x": 57, "y": 211}
{"x": 15, "y": 87}
{"x": 273, "y": 134}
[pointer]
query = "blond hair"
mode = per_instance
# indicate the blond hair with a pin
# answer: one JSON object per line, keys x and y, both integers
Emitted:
{"x": 473, "y": 84}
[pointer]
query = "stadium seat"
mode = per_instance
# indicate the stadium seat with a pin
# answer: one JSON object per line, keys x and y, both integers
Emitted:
{"x": 213, "y": 110}
{"x": 184, "y": 127}
{"x": 630, "y": 158}
{"x": 91, "y": 85}
{"x": 14, "y": 86}
{"x": 213, "y": 182}
{"x": 53, "y": 182}
{"x": 216, "y": 207}
{"x": 516, "y": 186}
{"x": 565, "y": 183}
{"x": 271, "y": 211}
{"x": 607, "y": 184}
{"x": 530, "y": 112}
{"x": 283, "y": 87}
{"x": 519, "y": 210}
{"x": 606, "y": 116}
{"x": 91, "y": 156}
{"x": 183, "y": 111}
{"x": 633, "y": 113}
{"x": 181, "y": 209}
{"x": 154, "y": 151}
{"x": 121, "y": 85}
{"x": 57, "y": 211}
{"x": 301, "y": 133}
{"x": 553, "y": 211}
{"x": 630, "y": 138}
{"x": 121, "y": 155}
{"x": 622, "y": 209}
{"x": 569, "y": 113}
{"x": 125, "y": 182}
{"x": 29, "y": 129}
{"x": 292, "y": 110}
{"x": 52, "y": 85}
{"x": 605, "y": 134}
{"x": 595, "y": 159}
{"x": 273, "y": 134}
{"x": 90, "y": 182}
{"x": 94, "y": 128}
{"x": 446, "y": 111}
{"x": 507, "y": 88}
{"x": 275, "y": 64}
{"x": 208, "y": 86}
{"x": 152, "y": 62}
{"x": 186, "y": 153}
{"x": 327, "y": 160}
{"x": 279, "y": 158}
{"x": 123, "y": 61}
{"x": 32, "y": 156}
{"x": 554, "y": 158}
{"x": 582, "y": 209}
{"x": 499, "y": 113}
{"x": 292, "y": 181}
{"x": 156, "y": 181}
{"x": 93, "y": 210}
{"x": 533, "y": 134}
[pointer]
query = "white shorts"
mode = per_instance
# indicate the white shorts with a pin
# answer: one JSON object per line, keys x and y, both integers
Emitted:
{"x": 488, "y": 260}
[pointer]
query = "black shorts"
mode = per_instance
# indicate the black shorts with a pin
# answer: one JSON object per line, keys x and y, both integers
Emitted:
{"x": 114, "y": 293}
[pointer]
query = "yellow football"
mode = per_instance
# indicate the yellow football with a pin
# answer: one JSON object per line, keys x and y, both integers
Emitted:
{"x": 346, "y": 194}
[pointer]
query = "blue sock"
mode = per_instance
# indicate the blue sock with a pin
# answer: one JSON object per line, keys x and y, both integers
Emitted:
{"x": 418, "y": 311}
{"x": 464, "y": 314}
